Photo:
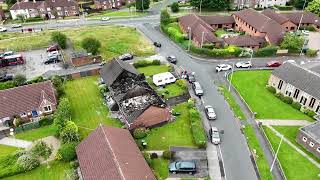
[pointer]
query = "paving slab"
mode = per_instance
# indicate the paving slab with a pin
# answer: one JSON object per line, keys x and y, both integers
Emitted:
{"x": 15, "y": 142}
{"x": 281, "y": 122}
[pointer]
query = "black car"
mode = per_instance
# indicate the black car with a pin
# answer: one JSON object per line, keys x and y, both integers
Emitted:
{"x": 157, "y": 44}
{"x": 172, "y": 59}
{"x": 52, "y": 60}
{"x": 190, "y": 77}
{"x": 5, "y": 77}
{"x": 183, "y": 167}
{"x": 126, "y": 57}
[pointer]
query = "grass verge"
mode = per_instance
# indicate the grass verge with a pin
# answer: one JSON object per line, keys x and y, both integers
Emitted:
{"x": 35, "y": 134}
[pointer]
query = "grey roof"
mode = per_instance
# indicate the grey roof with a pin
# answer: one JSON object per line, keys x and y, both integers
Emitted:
{"x": 113, "y": 69}
{"x": 313, "y": 130}
{"x": 300, "y": 77}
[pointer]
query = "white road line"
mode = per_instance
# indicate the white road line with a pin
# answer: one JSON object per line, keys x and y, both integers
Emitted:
{"x": 224, "y": 170}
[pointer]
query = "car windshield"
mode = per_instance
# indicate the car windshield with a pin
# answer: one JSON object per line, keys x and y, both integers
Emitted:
{"x": 178, "y": 165}
{"x": 210, "y": 110}
{"x": 215, "y": 134}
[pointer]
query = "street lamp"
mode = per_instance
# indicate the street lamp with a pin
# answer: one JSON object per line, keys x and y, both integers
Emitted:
{"x": 304, "y": 4}
{"x": 200, "y": 6}
{"x": 189, "y": 44}
{"x": 231, "y": 76}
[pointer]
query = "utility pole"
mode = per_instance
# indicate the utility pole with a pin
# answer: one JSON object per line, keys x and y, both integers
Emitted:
{"x": 304, "y": 4}
{"x": 200, "y": 6}
{"x": 231, "y": 77}
{"x": 189, "y": 29}
{"x": 142, "y": 6}
{"x": 202, "y": 36}
{"x": 275, "y": 156}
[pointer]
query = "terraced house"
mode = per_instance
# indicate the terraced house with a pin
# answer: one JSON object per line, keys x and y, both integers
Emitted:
{"x": 110, "y": 4}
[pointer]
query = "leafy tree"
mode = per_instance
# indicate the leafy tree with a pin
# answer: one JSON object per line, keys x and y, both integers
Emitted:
{"x": 175, "y": 7}
{"x": 314, "y": 7}
{"x": 28, "y": 162}
{"x": 292, "y": 42}
{"x": 19, "y": 80}
{"x": 299, "y": 3}
{"x": 67, "y": 152}
{"x": 42, "y": 149}
{"x": 62, "y": 115}
{"x": 60, "y": 39}
{"x": 142, "y": 5}
{"x": 70, "y": 133}
{"x": 91, "y": 45}
{"x": 10, "y": 2}
{"x": 164, "y": 17}
{"x": 211, "y": 4}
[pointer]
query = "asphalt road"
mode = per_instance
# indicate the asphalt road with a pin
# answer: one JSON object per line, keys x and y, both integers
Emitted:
{"x": 235, "y": 152}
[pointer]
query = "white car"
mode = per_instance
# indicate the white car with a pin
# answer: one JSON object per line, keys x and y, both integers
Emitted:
{"x": 3, "y": 29}
{"x": 290, "y": 61}
{"x": 223, "y": 67}
{"x": 197, "y": 89}
{"x": 215, "y": 136}
{"x": 16, "y": 26}
{"x": 305, "y": 32}
{"x": 210, "y": 113}
{"x": 105, "y": 19}
{"x": 246, "y": 64}
{"x": 53, "y": 53}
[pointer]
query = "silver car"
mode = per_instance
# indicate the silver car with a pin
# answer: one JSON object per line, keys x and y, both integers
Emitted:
{"x": 210, "y": 113}
{"x": 197, "y": 89}
{"x": 215, "y": 136}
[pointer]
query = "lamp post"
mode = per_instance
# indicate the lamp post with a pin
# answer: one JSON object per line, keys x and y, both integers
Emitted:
{"x": 189, "y": 44}
{"x": 304, "y": 4}
{"x": 200, "y": 6}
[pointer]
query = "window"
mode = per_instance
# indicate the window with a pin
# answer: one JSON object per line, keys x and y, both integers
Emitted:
{"x": 48, "y": 9}
{"x": 303, "y": 100}
{"x": 318, "y": 109}
{"x": 280, "y": 84}
{"x": 318, "y": 149}
{"x": 288, "y": 93}
{"x": 23, "y": 114}
{"x": 58, "y": 8}
{"x": 47, "y": 108}
{"x": 311, "y": 144}
{"x": 296, "y": 93}
{"x": 311, "y": 104}
{"x": 304, "y": 139}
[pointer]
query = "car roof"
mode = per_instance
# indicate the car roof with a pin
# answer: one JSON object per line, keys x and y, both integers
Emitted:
{"x": 214, "y": 128}
{"x": 187, "y": 164}
{"x": 208, "y": 106}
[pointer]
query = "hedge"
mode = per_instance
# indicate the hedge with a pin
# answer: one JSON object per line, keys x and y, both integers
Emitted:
{"x": 296, "y": 105}
{"x": 7, "y": 85}
{"x": 309, "y": 28}
{"x": 266, "y": 51}
{"x": 272, "y": 89}
{"x": 140, "y": 133}
{"x": 284, "y": 8}
{"x": 198, "y": 133}
{"x": 144, "y": 63}
{"x": 311, "y": 52}
{"x": 67, "y": 152}
{"x": 48, "y": 120}
{"x": 309, "y": 112}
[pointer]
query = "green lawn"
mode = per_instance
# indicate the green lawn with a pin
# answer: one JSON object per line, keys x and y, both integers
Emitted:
{"x": 5, "y": 150}
{"x": 152, "y": 70}
{"x": 290, "y": 132}
{"x": 176, "y": 133}
{"x": 171, "y": 90}
{"x": 251, "y": 85}
{"x": 87, "y": 106}
{"x": 57, "y": 171}
{"x": 35, "y": 134}
{"x": 220, "y": 32}
{"x": 115, "y": 40}
{"x": 120, "y": 13}
{"x": 160, "y": 167}
{"x": 295, "y": 166}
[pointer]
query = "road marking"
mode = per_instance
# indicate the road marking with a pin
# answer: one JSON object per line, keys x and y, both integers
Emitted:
{"x": 224, "y": 170}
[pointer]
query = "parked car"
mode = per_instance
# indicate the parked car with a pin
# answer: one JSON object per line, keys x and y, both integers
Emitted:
{"x": 3, "y": 29}
{"x": 183, "y": 167}
{"x": 246, "y": 64}
{"x": 274, "y": 64}
{"x": 190, "y": 77}
{"x": 197, "y": 89}
{"x": 53, "y": 53}
{"x": 51, "y": 60}
{"x": 229, "y": 29}
{"x": 105, "y": 18}
{"x": 214, "y": 135}
{"x": 54, "y": 47}
{"x": 7, "y": 53}
{"x": 305, "y": 32}
{"x": 157, "y": 44}
{"x": 211, "y": 115}
{"x": 126, "y": 57}
{"x": 223, "y": 67}
{"x": 16, "y": 25}
{"x": 172, "y": 59}
{"x": 5, "y": 77}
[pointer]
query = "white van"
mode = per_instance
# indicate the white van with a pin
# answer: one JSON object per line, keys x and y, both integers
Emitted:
{"x": 163, "y": 79}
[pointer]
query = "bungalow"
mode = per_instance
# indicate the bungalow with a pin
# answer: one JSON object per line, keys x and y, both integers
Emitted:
{"x": 302, "y": 83}
{"x": 309, "y": 137}
{"x": 28, "y": 102}
{"x": 281, "y": 19}
{"x": 305, "y": 18}
{"x": 110, "y": 4}
{"x": 111, "y": 153}
{"x": 219, "y": 21}
{"x": 245, "y": 41}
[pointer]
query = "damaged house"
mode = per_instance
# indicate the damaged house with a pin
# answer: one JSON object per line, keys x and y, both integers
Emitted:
{"x": 138, "y": 104}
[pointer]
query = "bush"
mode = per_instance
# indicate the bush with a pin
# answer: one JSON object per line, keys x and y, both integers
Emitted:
{"x": 60, "y": 39}
{"x": 28, "y": 162}
{"x": 6, "y": 85}
{"x": 311, "y": 52}
{"x": 292, "y": 42}
{"x": 309, "y": 112}
{"x": 287, "y": 100}
{"x": 91, "y": 45}
{"x": 36, "y": 80}
{"x": 309, "y": 28}
{"x": 67, "y": 152}
{"x": 145, "y": 63}
{"x": 266, "y": 51}
{"x": 272, "y": 89}
{"x": 103, "y": 89}
{"x": 175, "y": 35}
{"x": 182, "y": 83}
{"x": 208, "y": 46}
{"x": 296, "y": 105}
{"x": 140, "y": 133}
{"x": 70, "y": 133}
{"x": 175, "y": 7}
{"x": 167, "y": 154}
{"x": 19, "y": 80}
{"x": 164, "y": 17}
{"x": 284, "y": 8}
{"x": 45, "y": 121}
{"x": 147, "y": 157}
{"x": 198, "y": 133}
{"x": 154, "y": 155}
{"x": 191, "y": 103}
{"x": 62, "y": 114}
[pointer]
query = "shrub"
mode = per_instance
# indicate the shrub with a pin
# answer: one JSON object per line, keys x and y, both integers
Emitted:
{"x": 309, "y": 28}
{"x": 70, "y": 133}
{"x": 182, "y": 83}
{"x": 164, "y": 17}
{"x": 191, "y": 103}
{"x": 74, "y": 164}
{"x": 287, "y": 100}
{"x": 167, "y": 154}
{"x": 60, "y": 39}
{"x": 145, "y": 63}
{"x": 6, "y": 85}
{"x": 311, "y": 52}
{"x": 175, "y": 7}
{"x": 147, "y": 157}
{"x": 36, "y": 80}
{"x": 62, "y": 114}
{"x": 266, "y": 51}
{"x": 67, "y": 152}
{"x": 208, "y": 46}
{"x": 175, "y": 35}
{"x": 284, "y": 8}
{"x": 155, "y": 62}
{"x": 198, "y": 133}
{"x": 296, "y": 105}
{"x": 103, "y": 89}
{"x": 91, "y": 45}
{"x": 154, "y": 155}
{"x": 279, "y": 95}
{"x": 28, "y": 162}
{"x": 140, "y": 133}
{"x": 41, "y": 149}
{"x": 292, "y": 42}
{"x": 19, "y": 80}
{"x": 271, "y": 89}
{"x": 45, "y": 121}
{"x": 309, "y": 112}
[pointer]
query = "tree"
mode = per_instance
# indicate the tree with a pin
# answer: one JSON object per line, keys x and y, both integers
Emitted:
{"x": 299, "y": 3}
{"x": 175, "y": 7}
{"x": 42, "y": 149}
{"x": 60, "y": 39}
{"x": 67, "y": 152}
{"x": 28, "y": 162}
{"x": 10, "y": 2}
{"x": 70, "y": 133}
{"x": 91, "y": 45}
{"x": 164, "y": 17}
{"x": 292, "y": 42}
{"x": 62, "y": 115}
{"x": 211, "y": 4}
{"x": 314, "y": 7}
{"x": 142, "y": 5}
{"x": 19, "y": 80}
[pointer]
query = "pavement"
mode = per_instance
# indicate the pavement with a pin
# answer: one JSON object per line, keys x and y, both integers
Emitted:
{"x": 282, "y": 122}
{"x": 8, "y": 141}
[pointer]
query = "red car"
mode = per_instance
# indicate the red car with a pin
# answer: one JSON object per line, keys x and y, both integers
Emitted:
{"x": 54, "y": 47}
{"x": 274, "y": 64}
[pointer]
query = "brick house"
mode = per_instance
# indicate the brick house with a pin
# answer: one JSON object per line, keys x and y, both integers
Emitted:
{"x": 109, "y": 4}
{"x": 45, "y": 9}
{"x": 281, "y": 19}
{"x": 307, "y": 19}
{"x": 302, "y": 83}
{"x": 309, "y": 137}
{"x": 219, "y": 21}
{"x": 245, "y": 41}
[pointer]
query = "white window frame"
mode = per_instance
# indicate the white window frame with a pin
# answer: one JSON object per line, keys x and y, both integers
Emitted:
{"x": 318, "y": 149}
{"x": 311, "y": 144}
{"x": 304, "y": 139}
{"x": 49, "y": 108}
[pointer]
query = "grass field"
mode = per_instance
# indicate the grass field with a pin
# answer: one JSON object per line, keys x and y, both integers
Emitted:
{"x": 176, "y": 133}
{"x": 87, "y": 106}
{"x": 5, "y": 150}
{"x": 252, "y": 87}
{"x": 121, "y": 13}
{"x": 152, "y": 70}
{"x": 115, "y": 40}
{"x": 295, "y": 166}
{"x": 35, "y": 134}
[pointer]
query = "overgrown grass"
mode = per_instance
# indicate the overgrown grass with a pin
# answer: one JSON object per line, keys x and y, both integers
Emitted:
{"x": 152, "y": 70}
{"x": 35, "y": 134}
{"x": 5, "y": 150}
{"x": 295, "y": 166}
{"x": 160, "y": 167}
{"x": 252, "y": 87}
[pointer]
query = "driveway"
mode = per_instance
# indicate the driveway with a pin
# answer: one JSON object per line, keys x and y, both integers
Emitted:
{"x": 33, "y": 64}
{"x": 314, "y": 40}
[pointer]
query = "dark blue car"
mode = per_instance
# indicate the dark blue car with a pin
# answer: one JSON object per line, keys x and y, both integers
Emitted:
{"x": 183, "y": 167}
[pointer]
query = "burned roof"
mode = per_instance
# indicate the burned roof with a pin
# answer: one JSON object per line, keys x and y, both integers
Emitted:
{"x": 241, "y": 41}
{"x": 111, "y": 153}
{"x": 275, "y": 16}
{"x": 113, "y": 69}
{"x": 218, "y": 19}
{"x": 24, "y": 99}
{"x": 307, "y": 18}
{"x": 274, "y": 31}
